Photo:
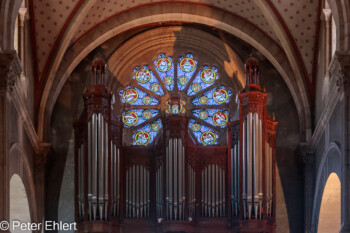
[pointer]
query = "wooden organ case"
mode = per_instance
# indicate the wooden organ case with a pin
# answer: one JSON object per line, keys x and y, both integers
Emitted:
{"x": 253, "y": 158}
{"x": 175, "y": 185}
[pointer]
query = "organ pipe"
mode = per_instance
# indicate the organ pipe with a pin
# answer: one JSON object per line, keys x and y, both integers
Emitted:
{"x": 137, "y": 192}
{"x": 98, "y": 153}
{"x": 175, "y": 191}
{"x": 213, "y": 192}
{"x": 253, "y": 153}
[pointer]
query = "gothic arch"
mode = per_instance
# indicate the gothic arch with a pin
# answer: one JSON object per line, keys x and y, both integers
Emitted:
{"x": 330, "y": 210}
{"x": 152, "y": 15}
{"x": 330, "y": 163}
{"x": 8, "y": 12}
{"x": 19, "y": 164}
{"x": 341, "y": 13}
{"x": 19, "y": 205}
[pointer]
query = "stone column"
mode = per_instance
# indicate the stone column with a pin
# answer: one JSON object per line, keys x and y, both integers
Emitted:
{"x": 23, "y": 16}
{"x": 327, "y": 48}
{"x": 308, "y": 160}
{"x": 340, "y": 76}
{"x": 327, "y": 14}
{"x": 39, "y": 179}
{"x": 10, "y": 69}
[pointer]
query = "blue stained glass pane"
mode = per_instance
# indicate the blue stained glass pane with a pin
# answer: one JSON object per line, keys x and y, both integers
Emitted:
{"x": 146, "y": 134}
{"x": 215, "y": 117}
{"x": 135, "y": 96}
{"x": 185, "y": 69}
{"x": 135, "y": 117}
{"x": 146, "y": 78}
{"x": 204, "y": 79}
{"x": 215, "y": 96}
{"x": 165, "y": 69}
{"x": 204, "y": 135}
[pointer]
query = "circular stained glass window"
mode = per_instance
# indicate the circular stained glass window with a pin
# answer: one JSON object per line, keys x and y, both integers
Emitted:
{"x": 142, "y": 138}
{"x": 208, "y": 138}
{"x": 143, "y": 75}
{"x": 186, "y": 82}
{"x": 130, "y": 118}
{"x": 163, "y": 64}
{"x": 130, "y": 95}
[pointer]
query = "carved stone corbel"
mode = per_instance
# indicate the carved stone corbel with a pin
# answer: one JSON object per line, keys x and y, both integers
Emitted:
{"x": 10, "y": 69}
{"x": 340, "y": 71}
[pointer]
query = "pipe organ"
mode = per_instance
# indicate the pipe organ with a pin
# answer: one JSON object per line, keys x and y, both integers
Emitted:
{"x": 137, "y": 192}
{"x": 175, "y": 185}
{"x": 98, "y": 161}
{"x": 253, "y": 156}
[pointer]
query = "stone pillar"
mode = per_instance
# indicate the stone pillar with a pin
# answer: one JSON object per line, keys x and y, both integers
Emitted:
{"x": 23, "y": 16}
{"x": 10, "y": 69}
{"x": 39, "y": 179}
{"x": 327, "y": 14}
{"x": 340, "y": 75}
{"x": 308, "y": 160}
{"x": 327, "y": 48}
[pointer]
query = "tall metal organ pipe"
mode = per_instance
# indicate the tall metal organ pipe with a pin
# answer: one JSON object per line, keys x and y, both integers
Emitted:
{"x": 252, "y": 167}
{"x": 213, "y": 192}
{"x": 98, "y": 153}
{"x": 137, "y": 198}
{"x": 253, "y": 152}
{"x": 175, "y": 177}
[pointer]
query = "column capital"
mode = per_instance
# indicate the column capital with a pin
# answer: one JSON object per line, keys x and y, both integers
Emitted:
{"x": 10, "y": 69}
{"x": 327, "y": 13}
{"x": 340, "y": 71}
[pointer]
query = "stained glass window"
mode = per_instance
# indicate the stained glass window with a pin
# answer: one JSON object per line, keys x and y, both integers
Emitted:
{"x": 145, "y": 78}
{"x": 203, "y": 134}
{"x": 146, "y": 134}
{"x": 185, "y": 69}
{"x": 215, "y": 117}
{"x": 215, "y": 96}
{"x": 208, "y": 119}
{"x": 136, "y": 117}
{"x": 165, "y": 69}
{"x": 204, "y": 79}
{"x": 135, "y": 96}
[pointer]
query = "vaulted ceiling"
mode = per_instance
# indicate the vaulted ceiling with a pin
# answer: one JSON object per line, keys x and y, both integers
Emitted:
{"x": 285, "y": 31}
{"x": 298, "y": 18}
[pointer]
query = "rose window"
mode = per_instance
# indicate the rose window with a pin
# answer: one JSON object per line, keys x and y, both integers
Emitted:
{"x": 176, "y": 87}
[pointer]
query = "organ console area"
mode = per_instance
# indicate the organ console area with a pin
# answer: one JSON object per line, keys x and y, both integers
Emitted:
{"x": 175, "y": 184}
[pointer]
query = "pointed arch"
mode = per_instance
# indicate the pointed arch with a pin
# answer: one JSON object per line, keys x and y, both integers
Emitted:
{"x": 329, "y": 217}
{"x": 19, "y": 164}
{"x": 330, "y": 163}
{"x": 341, "y": 13}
